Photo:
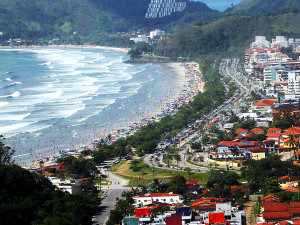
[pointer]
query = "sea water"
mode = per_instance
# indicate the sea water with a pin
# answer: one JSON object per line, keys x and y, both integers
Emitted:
{"x": 54, "y": 99}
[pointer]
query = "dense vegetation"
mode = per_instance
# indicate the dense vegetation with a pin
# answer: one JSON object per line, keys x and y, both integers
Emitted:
{"x": 217, "y": 37}
{"x": 263, "y": 6}
{"x": 28, "y": 198}
{"x": 82, "y": 21}
{"x": 145, "y": 141}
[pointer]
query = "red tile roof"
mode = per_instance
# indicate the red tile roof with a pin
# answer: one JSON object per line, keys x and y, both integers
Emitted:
{"x": 274, "y": 129}
{"x": 241, "y": 130}
{"x": 258, "y": 149}
{"x": 288, "y": 178}
{"x": 274, "y": 134}
{"x": 290, "y": 189}
{"x": 257, "y": 130}
{"x": 277, "y": 215}
{"x": 229, "y": 143}
{"x": 271, "y": 198}
{"x": 191, "y": 182}
{"x": 276, "y": 207}
{"x": 247, "y": 143}
{"x": 265, "y": 102}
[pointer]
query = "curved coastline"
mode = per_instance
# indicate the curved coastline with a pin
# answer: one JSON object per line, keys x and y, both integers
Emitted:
{"x": 187, "y": 74}
{"x": 191, "y": 78}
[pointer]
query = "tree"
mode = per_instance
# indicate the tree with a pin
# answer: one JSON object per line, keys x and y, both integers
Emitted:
{"x": 293, "y": 143}
{"x": 177, "y": 184}
{"x": 6, "y": 153}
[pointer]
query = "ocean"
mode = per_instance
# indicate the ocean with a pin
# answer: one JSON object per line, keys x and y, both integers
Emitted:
{"x": 54, "y": 99}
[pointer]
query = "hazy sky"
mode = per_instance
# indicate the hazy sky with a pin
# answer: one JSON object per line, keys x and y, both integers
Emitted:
{"x": 220, "y": 5}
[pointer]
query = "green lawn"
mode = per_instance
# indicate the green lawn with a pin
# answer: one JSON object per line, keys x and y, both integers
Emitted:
{"x": 145, "y": 174}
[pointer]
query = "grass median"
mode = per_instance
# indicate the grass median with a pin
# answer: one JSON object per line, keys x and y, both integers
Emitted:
{"x": 145, "y": 174}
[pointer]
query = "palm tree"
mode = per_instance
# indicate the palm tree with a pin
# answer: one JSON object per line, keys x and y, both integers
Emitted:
{"x": 177, "y": 158}
{"x": 293, "y": 143}
{"x": 169, "y": 157}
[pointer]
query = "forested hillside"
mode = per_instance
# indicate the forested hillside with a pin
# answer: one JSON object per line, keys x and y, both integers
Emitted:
{"x": 29, "y": 19}
{"x": 263, "y": 6}
{"x": 229, "y": 35}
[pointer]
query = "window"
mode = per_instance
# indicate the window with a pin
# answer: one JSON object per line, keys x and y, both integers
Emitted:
{"x": 145, "y": 200}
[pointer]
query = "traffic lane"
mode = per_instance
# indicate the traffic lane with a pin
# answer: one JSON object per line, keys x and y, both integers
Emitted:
{"x": 106, "y": 206}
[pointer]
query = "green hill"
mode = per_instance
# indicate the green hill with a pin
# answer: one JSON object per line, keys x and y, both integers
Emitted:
{"x": 229, "y": 35}
{"x": 29, "y": 19}
{"x": 263, "y": 6}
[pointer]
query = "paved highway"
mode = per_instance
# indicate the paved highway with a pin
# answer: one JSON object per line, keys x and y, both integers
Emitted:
{"x": 108, "y": 203}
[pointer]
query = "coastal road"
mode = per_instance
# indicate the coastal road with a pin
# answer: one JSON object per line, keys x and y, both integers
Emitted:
{"x": 243, "y": 91}
{"x": 113, "y": 191}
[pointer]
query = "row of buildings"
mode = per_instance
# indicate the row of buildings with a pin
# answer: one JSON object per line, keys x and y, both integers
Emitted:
{"x": 154, "y": 36}
{"x": 278, "y": 73}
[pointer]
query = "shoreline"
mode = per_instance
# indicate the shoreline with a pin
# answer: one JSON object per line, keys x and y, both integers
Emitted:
{"x": 188, "y": 83}
{"x": 191, "y": 83}
{"x": 118, "y": 49}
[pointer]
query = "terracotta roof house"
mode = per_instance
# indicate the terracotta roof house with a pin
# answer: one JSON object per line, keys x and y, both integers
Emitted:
{"x": 295, "y": 131}
{"x": 274, "y": 129}
{"x": 265, "y": 102}
{"x": 271, "y": 198}
{"x": 258, "y": 153}
{"x": 258, "y": 131}
{"x": 241, "y": 131}
{"x": 274, "y": 212}
{"x": 288, "y": 181}
{"x": 204, "y": 205}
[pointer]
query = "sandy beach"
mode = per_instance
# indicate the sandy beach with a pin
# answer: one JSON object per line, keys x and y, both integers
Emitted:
{"x": 190, "y": 79}
{"x": 187, "y": 77}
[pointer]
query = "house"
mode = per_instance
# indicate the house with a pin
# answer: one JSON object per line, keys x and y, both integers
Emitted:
{"x": 168, "y": 198}
{"x": 273, "y": 141}
{"x": 67, "y": 185}
{"x": 274, "y": 129}
{"x": 242, "y": 132}
{"x": 258, "y": 153}
{"x": 288, "y": 181}
{"x": 257, "y": 131}
{"x": 275, "y": 212}
{"x": 265, "y": 105}
{"x": 271, "y": 198}
{"x": 204, "y": 205}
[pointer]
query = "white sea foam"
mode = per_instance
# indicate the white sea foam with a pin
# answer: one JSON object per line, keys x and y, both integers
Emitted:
{"x": 3, "y": 104}
{"x": 8, "y": 79}
{"x": 12, "y": 117}
{"x": 15, "y": 94}
{"x": 14, "y": 127}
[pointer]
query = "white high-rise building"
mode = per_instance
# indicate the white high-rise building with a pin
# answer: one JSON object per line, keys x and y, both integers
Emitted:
{"x": 260, "y": 41}
{"x": 280, "y": 40}
{"x": 294, "y": 82}
{"x": 157, "y": 33}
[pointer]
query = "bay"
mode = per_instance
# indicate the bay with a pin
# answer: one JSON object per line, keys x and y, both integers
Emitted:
{"x": 54, "y": 99}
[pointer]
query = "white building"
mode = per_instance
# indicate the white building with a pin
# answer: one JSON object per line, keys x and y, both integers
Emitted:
{"x": 282, "y": 41}
{"x": 73, "y": 187}
{"x": 294, "y": 82}
{"x": 168, "y": 198}
{"x": 260, "y": 41}
{"x": 157, "y": 33}
{"x": 140, "y": 38}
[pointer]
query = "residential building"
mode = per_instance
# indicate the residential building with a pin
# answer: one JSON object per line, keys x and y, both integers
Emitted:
{"x": 168, "y": 198}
